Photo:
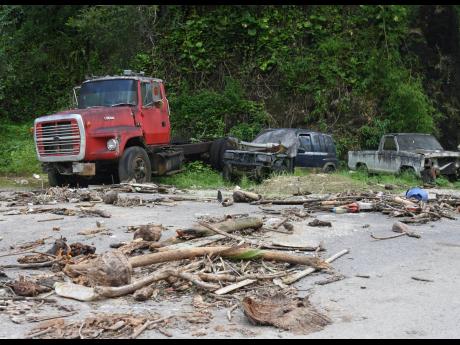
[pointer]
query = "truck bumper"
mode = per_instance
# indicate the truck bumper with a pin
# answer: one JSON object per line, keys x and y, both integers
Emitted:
{"x": 84, "y": 169}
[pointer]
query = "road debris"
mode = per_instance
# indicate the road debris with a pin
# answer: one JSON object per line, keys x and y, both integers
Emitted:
{"x": 296, "y": 315}
{"x": 422, "y": 279}
{"x": 402, "y": 230}
{"x": 149, "y": 232}
{"x": 25, "y": 287}
{"x": 102, "y": 326}
{"x": 317, "y": 222}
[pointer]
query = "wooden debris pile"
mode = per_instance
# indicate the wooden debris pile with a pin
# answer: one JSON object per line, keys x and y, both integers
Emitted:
{"x": 409, "y": 210}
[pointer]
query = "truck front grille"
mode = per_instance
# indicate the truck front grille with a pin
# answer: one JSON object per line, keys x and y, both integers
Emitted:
{"x": 59, "y": 138}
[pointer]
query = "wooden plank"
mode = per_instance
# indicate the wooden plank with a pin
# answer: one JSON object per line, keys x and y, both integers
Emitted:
{"x": 235, "y": 286}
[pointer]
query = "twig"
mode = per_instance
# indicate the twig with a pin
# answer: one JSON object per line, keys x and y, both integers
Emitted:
{"x": 50, "y": 219}
{"x": 36, "y": 334}
{"x": 229, "y": 312}
{"x": 31, "y": 265}
{"x": 146, "y": 325}
{"x": 54, "y": 317}
{"x": 330, "y": 280}
{"x": 422, "y": 279}
{"x": 280, "y": 223}
{"x": 79, "y": 330}
{"x": 389, "y": 237}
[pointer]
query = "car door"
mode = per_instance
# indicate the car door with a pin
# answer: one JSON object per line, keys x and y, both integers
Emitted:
{"x": 303, "y": 158}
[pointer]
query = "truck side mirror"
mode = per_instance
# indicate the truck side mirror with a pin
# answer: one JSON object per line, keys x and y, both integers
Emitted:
{"x": 158, "y": 103}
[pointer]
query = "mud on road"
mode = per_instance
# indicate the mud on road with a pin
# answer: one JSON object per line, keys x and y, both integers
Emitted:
{"x": 378, "y": 293}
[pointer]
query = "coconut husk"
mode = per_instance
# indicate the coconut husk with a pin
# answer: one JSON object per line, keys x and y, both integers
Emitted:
{"x": 296, "y": 315}
{"x": 109, "y": 269}
{"x": 149, "y": 232}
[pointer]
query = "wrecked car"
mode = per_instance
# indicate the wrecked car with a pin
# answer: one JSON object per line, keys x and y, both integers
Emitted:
{"x": 280, "y": 150}
{"x": 420, "y": 154}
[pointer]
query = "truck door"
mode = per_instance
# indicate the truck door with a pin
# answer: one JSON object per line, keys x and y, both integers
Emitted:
{"x": 387, "y": 157}
{"x": 156, "y": 128}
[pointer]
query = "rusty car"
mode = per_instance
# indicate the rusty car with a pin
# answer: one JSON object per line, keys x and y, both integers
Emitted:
{"x": 416, "y": 153}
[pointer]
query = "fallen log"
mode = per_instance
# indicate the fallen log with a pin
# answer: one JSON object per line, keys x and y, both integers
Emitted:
{"x": 229, "y": 225}
{"x": 228, "y": 252}
{"x": 244, "y": 196}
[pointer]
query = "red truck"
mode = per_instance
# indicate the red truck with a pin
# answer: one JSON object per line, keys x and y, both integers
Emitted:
{"x": 119, "y": 131}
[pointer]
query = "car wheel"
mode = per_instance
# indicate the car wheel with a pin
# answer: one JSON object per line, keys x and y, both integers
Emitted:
{"x": 135, "y": 164}
{"x": 329, "y": 168}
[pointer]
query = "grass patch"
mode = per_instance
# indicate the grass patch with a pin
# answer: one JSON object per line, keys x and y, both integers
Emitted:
{"x": 403, "y": 181}
{"x": 196, "y": 175}
{"x": 17, "y": 150}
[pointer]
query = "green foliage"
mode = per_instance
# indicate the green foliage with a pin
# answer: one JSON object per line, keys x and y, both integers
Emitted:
{"x": 209, "y": 114}
{"x": 232, "y": 70}
{"x": 17, "y": 150}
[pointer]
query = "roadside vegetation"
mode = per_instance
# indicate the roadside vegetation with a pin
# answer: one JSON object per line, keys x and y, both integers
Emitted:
{"x": 354, "y": 71}
{"x": 17, "y": 150}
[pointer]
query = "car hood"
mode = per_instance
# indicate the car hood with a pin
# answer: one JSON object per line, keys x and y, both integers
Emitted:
{"x": 438, "y": 153}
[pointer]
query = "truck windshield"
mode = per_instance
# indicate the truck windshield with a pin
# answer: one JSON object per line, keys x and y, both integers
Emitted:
{"x": 418, "y": 142}
{"x": 108, "y": 93}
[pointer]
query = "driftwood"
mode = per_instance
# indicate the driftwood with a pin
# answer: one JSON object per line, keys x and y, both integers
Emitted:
{"x": 114, "y": 269}
{"x": 279, "y": 202}
{"x": 229, "y": 225}
{"x": 229, "y": 252}
{"x": 244, "y": 196}
{"x": 83, "y": 293}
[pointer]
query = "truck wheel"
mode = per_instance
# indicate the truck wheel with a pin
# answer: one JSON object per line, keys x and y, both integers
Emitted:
{"x": 135, "y": 164}
{"x": 362, "y": 168}
{"x": 57, "y": 180}
{"x": 216, "y": 153}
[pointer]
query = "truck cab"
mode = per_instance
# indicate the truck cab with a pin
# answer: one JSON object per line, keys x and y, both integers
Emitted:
{"x": 120, "y": 128}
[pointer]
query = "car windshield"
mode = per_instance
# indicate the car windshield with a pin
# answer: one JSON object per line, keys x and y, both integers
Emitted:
{"x": 418, "y": 142}
{"x": 277, "y": 136}
{"x": 285, "y": 137}
{"x": 108, "y": 93}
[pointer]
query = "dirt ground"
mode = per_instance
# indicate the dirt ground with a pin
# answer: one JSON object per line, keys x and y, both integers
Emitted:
{"x": 387, "y": 304}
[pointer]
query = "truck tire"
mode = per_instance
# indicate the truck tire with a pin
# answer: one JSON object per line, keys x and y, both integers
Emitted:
{"x": 135, "y": 164}
{"x": 216, "y": 153}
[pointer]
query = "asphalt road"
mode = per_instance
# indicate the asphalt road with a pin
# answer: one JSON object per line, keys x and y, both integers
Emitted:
{"x": 388, "y": 304}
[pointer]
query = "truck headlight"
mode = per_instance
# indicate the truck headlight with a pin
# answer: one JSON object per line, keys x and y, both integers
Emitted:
{"x": 112, "y": 144}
